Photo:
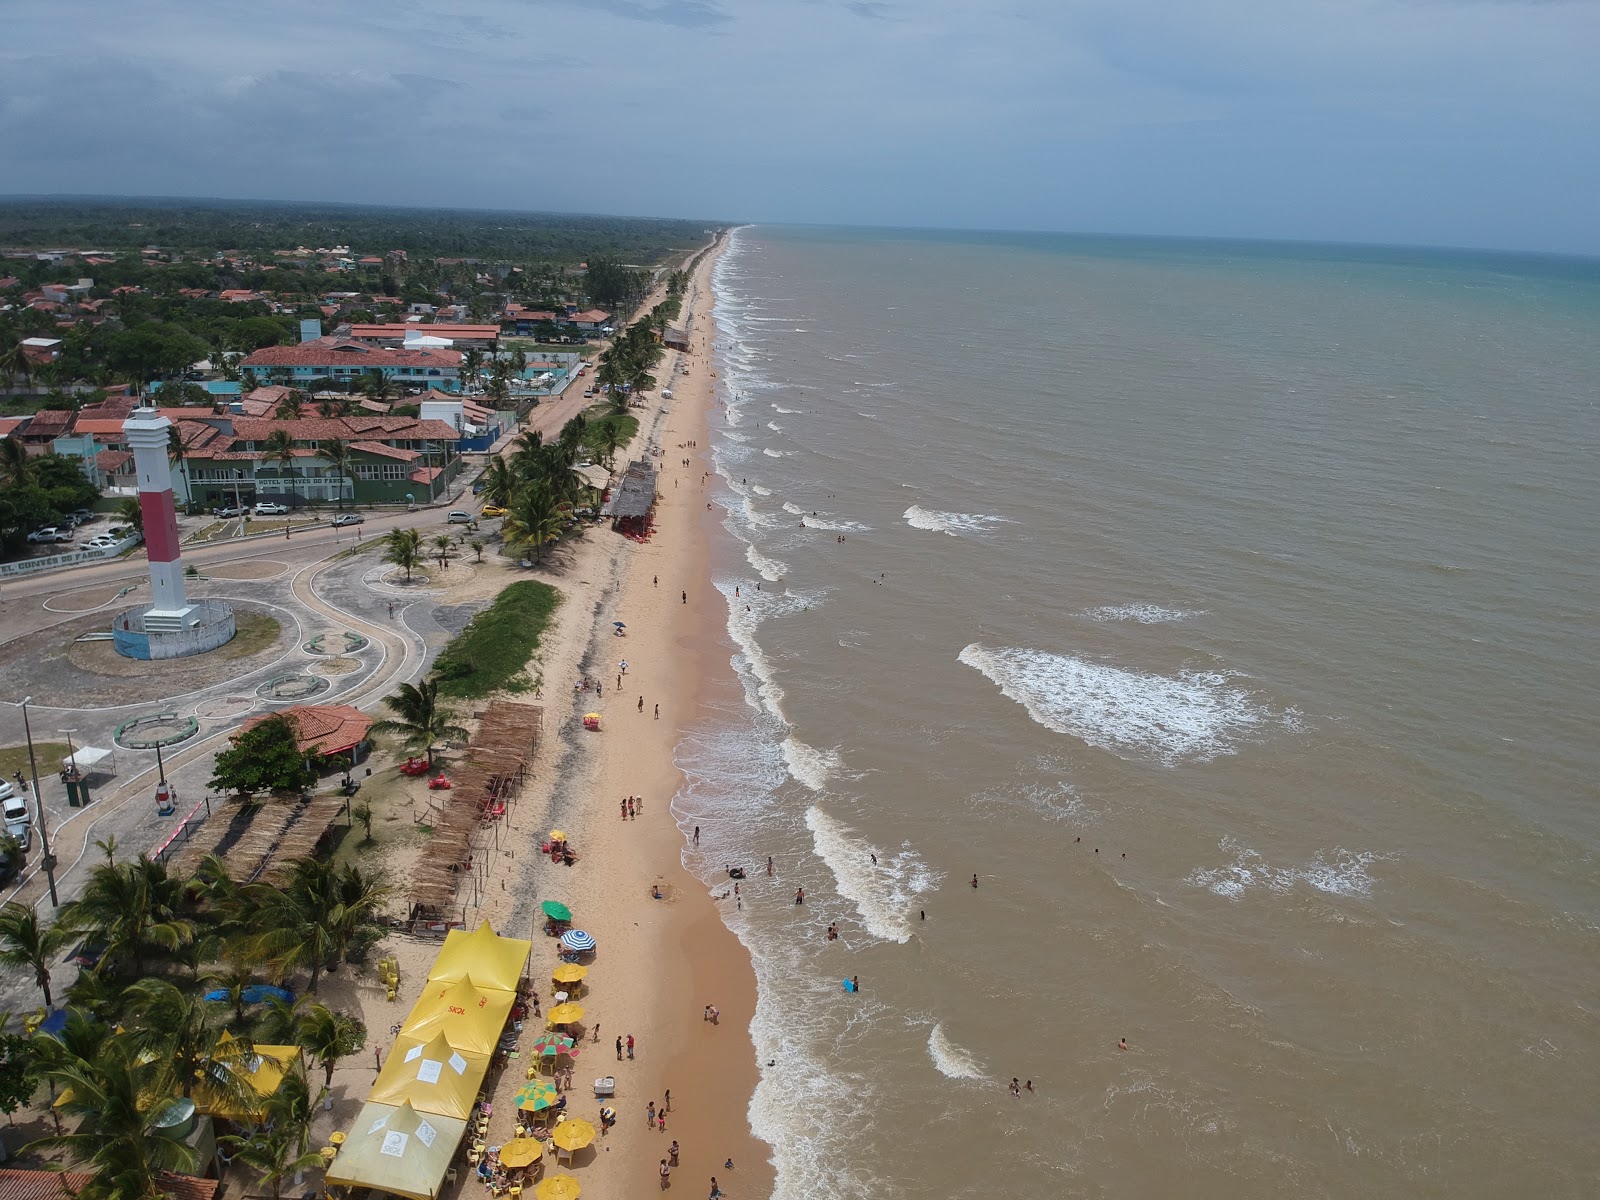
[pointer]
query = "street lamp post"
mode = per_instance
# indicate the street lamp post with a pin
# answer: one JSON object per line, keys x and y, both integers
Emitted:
{"x": 38, "y": 804}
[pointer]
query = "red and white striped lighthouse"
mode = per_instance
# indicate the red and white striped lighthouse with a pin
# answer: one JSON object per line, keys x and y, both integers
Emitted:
{"x": 145, "y": 431}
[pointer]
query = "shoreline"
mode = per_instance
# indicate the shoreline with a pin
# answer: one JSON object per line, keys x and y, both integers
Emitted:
{"x": 659, "y": 962}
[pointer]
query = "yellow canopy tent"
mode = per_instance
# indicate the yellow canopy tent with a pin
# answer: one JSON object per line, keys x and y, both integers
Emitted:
{"x": 263, "y": 1069}
{"x": 432, "y": 1076}
{"x": 470, "y": 1017}
{"x": 397, "y": 1150}
{"x": 492, "y": 961}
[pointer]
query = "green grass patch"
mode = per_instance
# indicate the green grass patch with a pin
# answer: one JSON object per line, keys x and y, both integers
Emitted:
{"x": 493, "y": 651}
{"x": 15, "y": 758}
{"x": 534, "y": 349}
{"x": 252, "y": 632}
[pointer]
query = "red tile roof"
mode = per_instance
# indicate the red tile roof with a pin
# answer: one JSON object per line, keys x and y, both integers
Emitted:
{"x": 112, "y": 461}
{"x": 592, "y": 317}
{"x": 61, "y": 1185}
{"x": 325, "y": 728}
{"x": 386, "y": 451}
{"x": 359, "y": 425}
{"x": 425, "y": 474}
{"x": 329, "y": 350}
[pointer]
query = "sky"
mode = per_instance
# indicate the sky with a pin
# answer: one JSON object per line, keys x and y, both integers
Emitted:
{"x": 1430, "y": 122}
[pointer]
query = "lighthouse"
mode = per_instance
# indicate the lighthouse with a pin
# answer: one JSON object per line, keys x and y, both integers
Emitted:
{"x": 146, "y": 433}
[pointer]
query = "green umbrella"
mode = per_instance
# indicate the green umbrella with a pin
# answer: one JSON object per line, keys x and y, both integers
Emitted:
{"x": 556, "y": 910}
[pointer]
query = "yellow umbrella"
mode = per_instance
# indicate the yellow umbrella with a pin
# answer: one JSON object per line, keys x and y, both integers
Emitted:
{"x": 572, "y": 1134}
{"x": 557, "y": 836}
{"x": 558, "y": 1187}
{"x": 569, "y": 973}
{"x": 563, "y": 1014}
{"x": 520, "y": 1152}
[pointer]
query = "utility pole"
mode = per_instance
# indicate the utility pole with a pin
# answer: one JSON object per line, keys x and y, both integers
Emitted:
{"x": 49, "y": 862}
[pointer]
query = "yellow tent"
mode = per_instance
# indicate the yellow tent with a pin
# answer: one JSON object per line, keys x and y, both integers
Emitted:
{"x": 492, "y": 961}
{"x": 432, "y": 1076}
{"x": 397, "y": 1150}
{"x": 470, "y": 1017}
{"x": 263, "y": 1070}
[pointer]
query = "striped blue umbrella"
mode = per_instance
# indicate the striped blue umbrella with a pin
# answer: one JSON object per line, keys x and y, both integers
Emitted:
{"x": 577, "y": 940}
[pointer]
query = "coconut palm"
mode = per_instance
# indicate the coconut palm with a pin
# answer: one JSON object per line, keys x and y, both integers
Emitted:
{"x": 14, "y": 361}
{"x": 26, "y": 943}
{"x": 306, "y": 921}
{"x": 375, "y": 385}
{"x": 134, "y": 909}
{"x": 15, "y": 465}
{"x": 278, "y": 1147}
{"x": 178, "y": 453}
{"x": 129, "y": 512}
{"x": 403, "y": 548}
{"x": 534, "y": 518}
{"x": 113, "y": 1098}
{"x": 499, "y": 481}
{"x": 419, "y": 719}
{"x": 290, "y": 407}
{"x": 279, "y": 448}
{"x": 610, "y": 438}
{"x": 336, "y": 453}
{"x": 329, "y": 1035}
{"x": 185, "y": 1048}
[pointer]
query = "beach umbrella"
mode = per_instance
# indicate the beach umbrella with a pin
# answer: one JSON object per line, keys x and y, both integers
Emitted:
{"x": 577, "y": 940}
{"x": 554, "y": 909}
{"x": 520, "y": 1152}
{"x": 558, "y": 1187}
{"x": 572, "y": 1134}
{"x": 619, "y": 624}
{"x": 565, "y": 1014}
{"x": 536, "y": 1096}
{"x": 557, "y": 836}
{"x": 568, "y": 973}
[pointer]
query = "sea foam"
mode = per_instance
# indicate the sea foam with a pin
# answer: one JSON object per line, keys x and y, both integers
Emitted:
{"x": 951, "y": 1060}
{"x": 1144, "y": 614}
{"x": 1194, "y": 716}
{"x": 884, "y": 892}
{"x": 808, "y": 765}
{"x": 952, "y": 523}
{"x": 1337, "y": 872}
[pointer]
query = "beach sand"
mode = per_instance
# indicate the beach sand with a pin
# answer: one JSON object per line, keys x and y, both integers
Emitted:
{"x": 659, "y": 962}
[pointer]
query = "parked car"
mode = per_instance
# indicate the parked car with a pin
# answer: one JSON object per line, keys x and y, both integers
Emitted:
{"x": 10, "y": 867}
{"x": 101, "y": 542}
{"x": 493, "y": 510}
{"x": 17, "y": 821}
{"x": 267, "y": 508}
{"x": 458, "y": 516}
{"x": 588, "y": 391}
{"x": 347, "y": 519}
{"x": 227, "y": 510}
{"x": 50, "y": 533}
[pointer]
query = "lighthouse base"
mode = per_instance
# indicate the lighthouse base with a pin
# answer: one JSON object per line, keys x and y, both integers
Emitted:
{"x": 149, "y": 633}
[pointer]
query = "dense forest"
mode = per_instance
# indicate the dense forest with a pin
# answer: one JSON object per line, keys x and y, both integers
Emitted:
{"x": 259, "y": 226}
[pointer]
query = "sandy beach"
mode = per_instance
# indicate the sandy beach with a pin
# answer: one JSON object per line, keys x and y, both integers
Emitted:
{"x": 660, "y": 961}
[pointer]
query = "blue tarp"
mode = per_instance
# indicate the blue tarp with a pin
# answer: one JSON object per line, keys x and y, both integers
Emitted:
{"x": 256, "y": 993}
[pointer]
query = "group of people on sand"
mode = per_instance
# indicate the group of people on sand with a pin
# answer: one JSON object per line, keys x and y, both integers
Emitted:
{"x": 630, "y": 807}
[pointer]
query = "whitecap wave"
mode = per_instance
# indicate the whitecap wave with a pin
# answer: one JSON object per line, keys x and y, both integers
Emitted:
{"x": 1194, "y": 716}
{"x": 787, "y": 411}
{"x": 951, "y": 1060}
{"x": 1144, "y": 614}
{"x": 949, "y": 522}
{"x": 884, "y": 892}
{"x": 765, "y": 565}
{"x": 808, "y": 765}
{"x": 775, "y": 427}
{"x": 1336, "y": 872}
{"x": 759, "y": 490}
{"x": 771, "y": 453}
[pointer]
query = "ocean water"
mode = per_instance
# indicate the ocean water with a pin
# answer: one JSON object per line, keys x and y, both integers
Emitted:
{"x": 1231, "y": 612}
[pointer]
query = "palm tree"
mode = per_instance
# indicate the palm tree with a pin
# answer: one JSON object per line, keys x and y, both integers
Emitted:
{"x": 113, "y": 1096}
{"x": 403, "y": 548}
{"x": 534, "y": 518}
{"x": 477, "y": 545}
{"x": 108, "y": 847}
{"x": 336, "y": 453}
{"x": 184, "y": 1049}
{"x": 499, "y": 481}
{"x": 471, "y": 364}
{"x": 375, "y": 384}
{"x": 277, "y": 1148}
{"x": 329, "y": 1035}
{"x": 279, "y": 448}
{"x": 442, "y": 545}
{"x": 307, "y": 920}
{"x": 14, "y": 361}
{"x": 133, "y": 909}
{"x": 419, "y": 719}
{"x": 25, "y": 943}
{"x": 290, "y": 407}
{"x": 610, "y": 438}
{"x": 331, "y": 406}
{"x": 178, "y": 452}
{"x": 130, "y": 512}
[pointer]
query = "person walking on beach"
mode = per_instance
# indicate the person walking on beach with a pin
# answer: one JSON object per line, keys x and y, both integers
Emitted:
{"x": 641, "y": 709}
{"x": 697, "y": 835}
{"x": 666, "y": 1175}
{"x": 667, "y": 1105}
{"x": 799, "y": 895}
{"x": 716, "y": 1192}
{"x": 974, "y": 883}
{"x": 672, "y": 1152}
{"x": 686, "y": 597}
{"x": 650, "y": 1114}
{"x": 658, "y": 712}
{"x": 769, "y": 866}
{"x": 630, "y": 1047}
{"x": 619, "y": 1049}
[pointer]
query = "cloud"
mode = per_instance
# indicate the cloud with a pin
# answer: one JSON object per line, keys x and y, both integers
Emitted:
{"x": 1426, "y": 120}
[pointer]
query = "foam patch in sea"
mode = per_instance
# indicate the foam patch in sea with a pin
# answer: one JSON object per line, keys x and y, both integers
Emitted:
{"x": 1337, "y": 872}
{"x": 808, "y": 765}
{"x": 1194, "y": 716}
{"x": 883, "y": 892}
{"x": 1144, "y": 614}
{"x": 952, "y": 523}
{"x": 950, "y": 1060}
